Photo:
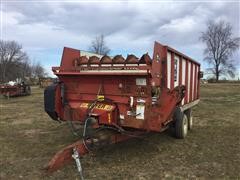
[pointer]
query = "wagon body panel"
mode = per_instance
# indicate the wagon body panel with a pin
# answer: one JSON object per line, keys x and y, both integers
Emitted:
{"x": 127, "y": 85}
{"x": 177, "y": 69}
{"x": 130, "y": 96}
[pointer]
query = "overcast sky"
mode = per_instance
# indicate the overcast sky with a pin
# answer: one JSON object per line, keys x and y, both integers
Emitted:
{"x": 45, "y": 27}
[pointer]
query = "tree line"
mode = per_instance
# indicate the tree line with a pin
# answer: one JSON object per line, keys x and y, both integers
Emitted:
{"x": 16, "y": 64}
{"x": 220, "y": 45}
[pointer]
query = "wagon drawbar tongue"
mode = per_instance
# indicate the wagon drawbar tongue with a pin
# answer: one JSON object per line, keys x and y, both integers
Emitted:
{"x": 64, "y": 156}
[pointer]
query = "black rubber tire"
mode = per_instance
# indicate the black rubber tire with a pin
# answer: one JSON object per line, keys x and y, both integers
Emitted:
{"x": 181, "y": 124}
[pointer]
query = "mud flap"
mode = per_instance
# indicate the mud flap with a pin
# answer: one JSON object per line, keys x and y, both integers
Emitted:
{"x": 49, "y": 101}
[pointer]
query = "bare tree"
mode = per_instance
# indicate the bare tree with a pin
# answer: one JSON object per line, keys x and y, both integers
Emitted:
{"x": 38, "y": 71}
{"x": 15, "y": 63}
{"x": 99, "y": 46}
{"x": 220, "y": 46}
{"x": 11, "y": 57}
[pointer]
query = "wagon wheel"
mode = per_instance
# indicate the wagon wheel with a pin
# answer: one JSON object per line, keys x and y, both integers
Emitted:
{"x": 181, "y": 124}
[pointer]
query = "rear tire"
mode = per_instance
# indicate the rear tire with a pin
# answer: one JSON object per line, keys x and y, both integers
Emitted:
{"x": 181, "y": 124}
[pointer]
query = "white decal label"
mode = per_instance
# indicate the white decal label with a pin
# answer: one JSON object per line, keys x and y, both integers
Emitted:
{"x": 141, "y": 81}
{"x": 140, "y": 111}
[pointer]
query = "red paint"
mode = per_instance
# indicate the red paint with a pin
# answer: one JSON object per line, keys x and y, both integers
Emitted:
{"x": 83, "y": 83}
{"x": 198, "y": 85}
{"x": 118, "y": 81}
{"x": 12, "y": 91}
{"x": 159, "y": 64}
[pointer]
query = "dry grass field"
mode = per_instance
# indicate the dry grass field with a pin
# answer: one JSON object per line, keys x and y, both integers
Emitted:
{"x": 28, "y": 139}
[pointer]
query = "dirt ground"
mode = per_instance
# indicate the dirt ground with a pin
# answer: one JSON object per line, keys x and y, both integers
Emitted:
{"x": 29, "y": 138}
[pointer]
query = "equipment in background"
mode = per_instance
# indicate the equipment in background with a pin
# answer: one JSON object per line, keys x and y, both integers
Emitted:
{"x": 13, "y": 89}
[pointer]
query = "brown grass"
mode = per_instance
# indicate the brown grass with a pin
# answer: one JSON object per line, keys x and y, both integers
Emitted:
{"x": 29, "y": 138}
